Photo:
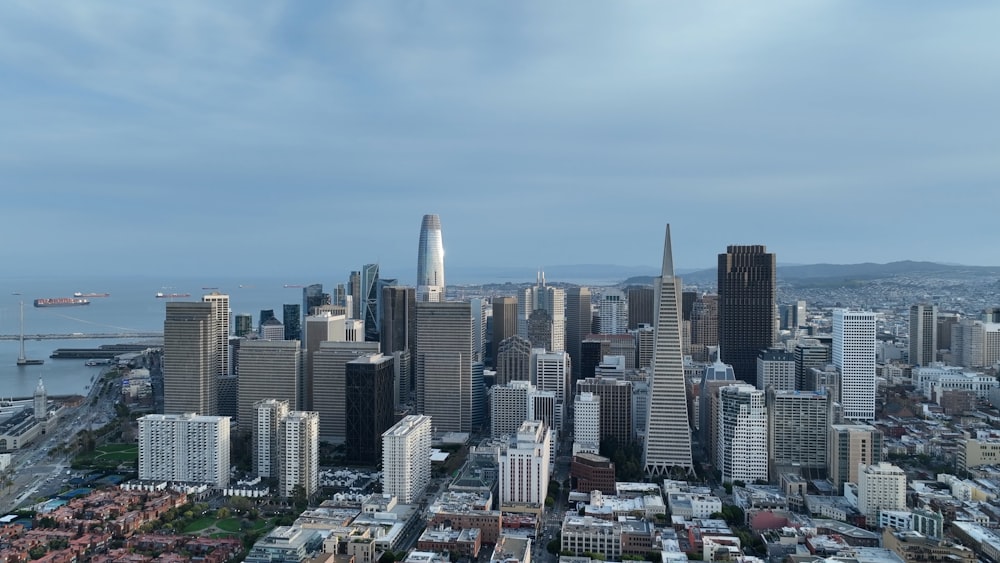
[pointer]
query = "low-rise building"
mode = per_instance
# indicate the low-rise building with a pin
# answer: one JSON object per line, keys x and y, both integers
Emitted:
{"x": 287, "y": 544}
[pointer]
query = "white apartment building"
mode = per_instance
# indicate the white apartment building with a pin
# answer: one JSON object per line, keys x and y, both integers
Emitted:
{"x": 268, "y": 413}
{"x": 612, "y": 310}
{"x": 298, "y": 453}
{"x": 184, "y": 448}
{"x": 524, "y": 469}
{"x": 587, "y": 424}
{"x": 880, "y": 487}
{"x": 854, "y": 357}
{"x": 406, "y": 458}
{"x": 742, "y": 440}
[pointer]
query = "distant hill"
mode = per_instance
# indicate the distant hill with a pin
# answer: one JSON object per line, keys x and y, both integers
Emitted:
{"x": 804, "y": 273}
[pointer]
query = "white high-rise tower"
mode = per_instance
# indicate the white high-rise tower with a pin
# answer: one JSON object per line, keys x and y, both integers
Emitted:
{"x": 854, "y": 357}
{"x": 222, "y": 319}
{"x": 668, "y": 436}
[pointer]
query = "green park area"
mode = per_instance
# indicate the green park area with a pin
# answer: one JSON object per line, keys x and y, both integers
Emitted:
{"x": 229, "y": 526}
{"x": 108, "y": 456}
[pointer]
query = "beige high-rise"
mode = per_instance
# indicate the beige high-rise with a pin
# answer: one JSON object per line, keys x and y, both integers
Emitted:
{"x": 190, "y": 358}
{"x": 269, "y": 369}
{"x": 330, "y": 384}
{"x": 852, "y": 445}
{"x": 444, "y": 364}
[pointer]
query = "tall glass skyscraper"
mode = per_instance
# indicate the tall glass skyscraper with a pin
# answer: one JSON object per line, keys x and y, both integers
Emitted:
{"x": 430, "y": 260}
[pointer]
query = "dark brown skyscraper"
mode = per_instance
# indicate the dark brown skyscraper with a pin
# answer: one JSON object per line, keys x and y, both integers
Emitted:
{"x": 368, "y": 399}
{"x": 504, "y": 323}
{"x": 578, "y": 318}
{"x": 746, "y": 307}
{"x": 640, "y": 306}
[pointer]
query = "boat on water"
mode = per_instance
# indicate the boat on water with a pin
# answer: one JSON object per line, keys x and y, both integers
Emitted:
{"x": 61, "y": 302}
{"x": 160, "y": 295}
{"x": 293, "y": 285}
{"x": 79, "y": 294}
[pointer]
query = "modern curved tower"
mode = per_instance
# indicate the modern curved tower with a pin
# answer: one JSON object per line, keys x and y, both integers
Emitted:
{"x": 430, "y": 260}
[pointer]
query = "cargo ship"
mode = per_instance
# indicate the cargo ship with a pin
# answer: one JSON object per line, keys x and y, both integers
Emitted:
{"x": 171, "y": 295}
{"x": 61, "y": 302}
{"x": 78, "y": 294}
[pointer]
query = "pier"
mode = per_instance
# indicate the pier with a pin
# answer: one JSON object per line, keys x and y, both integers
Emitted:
{"x": 82, "y": 335}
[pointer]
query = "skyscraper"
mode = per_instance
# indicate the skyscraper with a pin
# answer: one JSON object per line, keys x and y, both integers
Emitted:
{"x": 321, "y": 327}
{"x": 798, "y": 431}
{"x": 184, "y": 448}
{"x": 550, "y": 300}
{"x": 852, "y": 446}
{"x": 190, "y": 358}
{"x": 578, "y": 317}
{"x": 504, "y": 323}
{"x": 746, "y": 307}
{"x": 292, "y": 319}
{"x": 444, "y": 364}
{"x": 513, "y": 360}
{"x": 399, "y": 330}
{"x": 809, "y": 353}
{"x": 222, "y": 314}
{"x": 298, "y": 453}
{"x": 641, "y": 306}
{"x": 613, "y": 311}
{"x": 269, "y": 369}
{"x": 923, "y": 334}
{"x": 313, "y": 296}
{"x": 509, "y": 407}
{"x": 775, "y": 368}
{"x": 550, "y": 371}
{"x": 244, "y": 325}
{"x": 354, "y": 290}
{"x": 668, "y": 435}
{"x": 369, "y": 407}
{"x": 854, "y": 356}
{"x": 406, "y": 458}
{"x": 430, "y": 260}
{"x": 268, "y": 414}
{"x": 369, "y": 301}
{"x": 704, "y": 326}
{"x": 742, "y": 448}
{"x": 616, "y": 406}
{"x": 330, "y": 384}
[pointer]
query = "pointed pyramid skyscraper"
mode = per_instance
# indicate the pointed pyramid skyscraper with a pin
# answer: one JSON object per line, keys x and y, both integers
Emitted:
{"x": 668, "y": 435}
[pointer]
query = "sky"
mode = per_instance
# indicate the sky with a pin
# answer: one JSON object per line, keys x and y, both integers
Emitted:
{"x": 310, "y": 137}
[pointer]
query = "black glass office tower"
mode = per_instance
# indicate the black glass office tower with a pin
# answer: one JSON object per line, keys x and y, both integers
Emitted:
{"x": 746, "y": 307}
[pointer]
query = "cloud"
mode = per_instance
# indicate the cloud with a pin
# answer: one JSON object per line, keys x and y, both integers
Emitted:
{"x": 574, "y": 129}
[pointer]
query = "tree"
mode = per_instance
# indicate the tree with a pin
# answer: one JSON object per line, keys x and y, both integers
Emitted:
{"x": 299, "y": 498}
{"x": 553, "y": 546}
{"x": 387, "y": 557}
{"x": 222, "y": 513}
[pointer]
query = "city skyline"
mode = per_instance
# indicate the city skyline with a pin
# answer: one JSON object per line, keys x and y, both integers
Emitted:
{"x": 142, "y": 132}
